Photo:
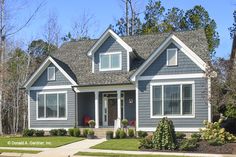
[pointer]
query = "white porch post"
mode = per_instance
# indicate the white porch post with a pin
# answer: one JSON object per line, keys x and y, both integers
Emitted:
{"x": 119, "y": 108}
{"x": 96, "y": 110}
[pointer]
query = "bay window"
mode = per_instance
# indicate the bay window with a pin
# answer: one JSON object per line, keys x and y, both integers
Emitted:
{"x": 110, "y": 61}
{"x": 171, "y": 99}
{"x": 51, "y": 105}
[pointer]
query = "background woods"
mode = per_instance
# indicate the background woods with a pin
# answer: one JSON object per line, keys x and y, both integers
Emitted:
{"x": 19, "y": 61}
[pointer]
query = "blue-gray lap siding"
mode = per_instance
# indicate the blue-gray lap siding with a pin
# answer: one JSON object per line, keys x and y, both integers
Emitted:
{"x": 201, "y": 105}
{"x": 185, "y": 65}
{"x": 70, "y": 122}
{"x": 110, "y": 45}
{"x": 60, "y": 79}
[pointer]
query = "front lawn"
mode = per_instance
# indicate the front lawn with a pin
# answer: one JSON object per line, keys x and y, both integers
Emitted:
{"x": 19, "y": 151}
{"x": 119, "y": 155}
{"x": 40, "y": 142}
{"x": 119, "y": 144}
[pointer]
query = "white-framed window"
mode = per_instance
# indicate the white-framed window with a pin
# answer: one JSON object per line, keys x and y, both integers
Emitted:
{"x": 172, "y": 99}
{"x": 51, "y": 105}
{"x": 110, "y": 61}
{"x": 51, "y": 74}
{"x": 171, "y": 57}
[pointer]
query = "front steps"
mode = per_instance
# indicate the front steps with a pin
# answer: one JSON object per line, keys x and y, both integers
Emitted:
{"x": 99, "y": 132}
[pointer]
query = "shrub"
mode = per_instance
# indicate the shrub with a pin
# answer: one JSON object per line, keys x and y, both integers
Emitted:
{"x": 61, "y": 132}
{"x": 71, "y": 131}
{"x": 118, "y": 133}
{"x": 216, "y": 142}
{"x": 196, "y": 136}
{"x": 164, "y": 136}
{"x": 180, "y": 135}
{"x": 230, "y": 111}
{"x": 53, "y": 132}
{"x": 124, "y": 123}
{"x": 109, "y": 135}
{"x": 214, "y": 131}
{"x": 123, "y": 134}
{"x": 85, "y": 132}
{"x": 142, "y": 134}
{"x": 188, "y": 144}
{"x": 39, "y": 133}
{"x": 230, "y": 125}
{"x": 90, "y": 132}
{"x": 91, "y": 123}
{"x": 76, "y": 132}
{"x": 146, "y": 142}
{"x": 131, "y": 133}
{"x": 28, "y": 132}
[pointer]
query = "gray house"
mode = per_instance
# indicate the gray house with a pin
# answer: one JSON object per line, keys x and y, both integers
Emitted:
{"x": 140, "y": 78}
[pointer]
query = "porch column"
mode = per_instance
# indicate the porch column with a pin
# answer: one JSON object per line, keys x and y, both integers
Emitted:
{"x": 119, "y": 108}
{"x": 96, "y": 110}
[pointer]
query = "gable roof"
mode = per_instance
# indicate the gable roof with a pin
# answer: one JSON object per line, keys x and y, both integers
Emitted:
{"x": 41, "y": 69}
{"x": 74, "y": 55}
{"x": 104, "y": 36}
{"x": 171, "y": 39}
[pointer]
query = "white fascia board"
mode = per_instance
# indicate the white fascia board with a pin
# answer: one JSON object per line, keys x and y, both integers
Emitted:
{"x": 171, "y": 39}
{"x": 108, "y": 33}
{"x": 42, "y": 67}
{"x": 174, "y": 76}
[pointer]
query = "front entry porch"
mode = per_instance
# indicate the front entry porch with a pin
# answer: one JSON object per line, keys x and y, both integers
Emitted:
{"x": 107, "y": 108}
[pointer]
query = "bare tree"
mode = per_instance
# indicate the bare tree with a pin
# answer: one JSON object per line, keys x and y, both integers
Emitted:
{"x": 52, "y": 30}
{"x": 6, "y": 31}
{"x": 82, "y": 26}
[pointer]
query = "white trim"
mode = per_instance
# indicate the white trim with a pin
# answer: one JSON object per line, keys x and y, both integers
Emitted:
{"x": 119, "y": 107}
{"x": 42, "y": 67}
{"x": 48, "y": 129}
{"x": 176, "y": 129}
{"x": 54, "y": 74}
{"x": 171, "y": 39}
{"x": 50, "y": 87}
{"x": 105, "y": 35}
{"x": 128, "y": 61}
{"x": 52, "y": 92}
{"x": 28, "y": 109}
{"x": 136, "y": 102}
{"x": 96, "y": 109}
{"x": 162, "y": 87}
{"x": 175, "y": 76}
{"x": 104, "y": 88}
{"x": 209, "y": 100}
{"x": 176, "y": 56}
{"x": 110, "y": 68}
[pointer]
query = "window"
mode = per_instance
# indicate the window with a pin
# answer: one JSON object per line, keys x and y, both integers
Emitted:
{"x": 51, "y": 74}
{"x": 172, "y": 99}
{"x": 171, "y": 58}
{"x": 51, "y": 105}
{"x": 110, "y": 61}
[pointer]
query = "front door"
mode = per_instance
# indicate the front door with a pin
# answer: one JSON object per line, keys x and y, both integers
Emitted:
{"x": 112, "y": 111}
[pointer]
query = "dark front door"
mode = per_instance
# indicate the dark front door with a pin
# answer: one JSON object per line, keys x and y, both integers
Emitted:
{"x": 112, "y": 111}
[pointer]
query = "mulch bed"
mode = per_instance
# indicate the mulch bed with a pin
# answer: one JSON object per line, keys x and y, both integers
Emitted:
{"x": 204, "y": 147}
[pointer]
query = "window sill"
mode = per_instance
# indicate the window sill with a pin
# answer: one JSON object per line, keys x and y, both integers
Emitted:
{"x": 110, "y": 69}
{"x": 51, "y": 119}
{"x": 177, "y": 116}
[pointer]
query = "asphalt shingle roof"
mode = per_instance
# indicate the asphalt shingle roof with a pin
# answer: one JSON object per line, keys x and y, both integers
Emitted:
{"x": 72, "y": 56}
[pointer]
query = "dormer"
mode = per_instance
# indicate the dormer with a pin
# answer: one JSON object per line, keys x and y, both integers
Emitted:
{"x": 110, "y": 53}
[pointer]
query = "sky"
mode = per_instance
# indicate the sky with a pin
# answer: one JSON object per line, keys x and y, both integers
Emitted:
{"x": 105, "y": 12}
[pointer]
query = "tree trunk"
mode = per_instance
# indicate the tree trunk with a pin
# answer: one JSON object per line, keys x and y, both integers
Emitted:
{"x": 127, "y": 16}
{"x": 2, "y": 43}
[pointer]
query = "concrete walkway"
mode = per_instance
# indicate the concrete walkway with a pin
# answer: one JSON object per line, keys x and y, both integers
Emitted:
{"x": 70, "y": 149}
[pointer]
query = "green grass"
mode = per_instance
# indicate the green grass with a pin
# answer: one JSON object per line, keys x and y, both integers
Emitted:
{"x": 119, "y": 155}
{"x": 119, "y": 144}
{"x": 40, "y": 142}
{"x": 19, "y": 151}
